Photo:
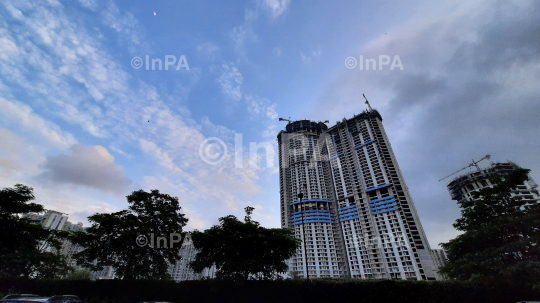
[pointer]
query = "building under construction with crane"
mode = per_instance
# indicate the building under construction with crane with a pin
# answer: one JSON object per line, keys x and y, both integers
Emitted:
{"x": 463, "y": 186}
{"x": 344, "y": 196}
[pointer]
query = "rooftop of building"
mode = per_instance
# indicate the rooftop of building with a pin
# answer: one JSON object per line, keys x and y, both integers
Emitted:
{"x": 319, "y": 127}
{"x": 495, "y": 169}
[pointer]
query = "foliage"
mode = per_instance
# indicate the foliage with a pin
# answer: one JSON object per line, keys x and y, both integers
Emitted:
{"x": 78, "y": 274}
{"x": 500, "y": 240}
{"x": 243, "y": 250}
{"x": 27, "y": 249}
{"x": 111, "y": 240}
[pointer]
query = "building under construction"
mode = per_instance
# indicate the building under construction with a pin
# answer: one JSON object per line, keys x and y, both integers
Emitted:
{"x": 355, "y": 216}
{"x": 463, "y": 186}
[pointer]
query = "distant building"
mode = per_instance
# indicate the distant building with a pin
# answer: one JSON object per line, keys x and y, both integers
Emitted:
{"x": 440, "y": 259}
{"x": 49, "y": 219}
{"x": 68, "y": 248}
{"x": 463, "y": 186}
{"x": 181, "y": 270}
{"x": 357, "y": 216}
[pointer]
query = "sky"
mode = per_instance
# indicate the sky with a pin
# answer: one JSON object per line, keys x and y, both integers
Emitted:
{"x": 88, "y": 114}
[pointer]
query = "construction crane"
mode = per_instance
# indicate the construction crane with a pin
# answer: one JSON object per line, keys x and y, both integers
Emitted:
{"x": 282, "y": 119}
{"x": 367, "y": 102}
{"x": 473, "y": 163}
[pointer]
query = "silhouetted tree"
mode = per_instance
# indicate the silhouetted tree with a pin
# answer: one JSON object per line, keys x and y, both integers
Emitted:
{"x": 78, "y": 274}
{"x": 140, "y": 242}
{"x": 243, "y": 250}
{"x": 27, "y": 249}
{"x": 501, "y": 238}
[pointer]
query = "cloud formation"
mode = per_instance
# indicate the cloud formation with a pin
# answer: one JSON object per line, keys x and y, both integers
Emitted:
{"x": 277, "y": 7}
{"x": 467, "y": 90}
{"x": 90, "y": 166}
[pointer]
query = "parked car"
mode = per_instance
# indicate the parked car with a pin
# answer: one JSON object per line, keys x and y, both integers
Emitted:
{"x": 19, "y": 296}
{"x": 35, "y": 299}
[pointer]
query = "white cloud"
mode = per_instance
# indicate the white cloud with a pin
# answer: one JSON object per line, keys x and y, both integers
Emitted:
{"x": 271, "y": 112}
{"x": 277, "y": 7}
{"x": 106, "y": 103}
{"x": 208, "y": 50}
{"x": 306, "y": 59}
{"x": 243, "y": 34}
{"x": 155, "y": 151}
{"x": 231, "y": 82}
{"x": 277, "y": 51}
{"x": 22, "y": 115}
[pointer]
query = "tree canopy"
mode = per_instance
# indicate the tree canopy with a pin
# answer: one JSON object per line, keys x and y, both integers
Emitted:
{"x": 500, "y": 243}
{"x": 27, "y": 249}
{"x": 243, "y": 250}
{"x": 140, "y": 242}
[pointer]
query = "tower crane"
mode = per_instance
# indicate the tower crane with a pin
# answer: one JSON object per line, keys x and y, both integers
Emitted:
{"x": 473, "y": 163}
{"x": 283, "y": 119}
{"x": 367, "y": 102}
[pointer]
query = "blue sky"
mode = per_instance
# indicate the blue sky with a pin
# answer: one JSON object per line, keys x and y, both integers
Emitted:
{"x": 84, "y": 128}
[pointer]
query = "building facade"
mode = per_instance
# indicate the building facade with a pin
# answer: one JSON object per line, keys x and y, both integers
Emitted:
{"x": 357, "y": 216}
{"x": 440, "y": 259}
{"x": 50, "y": 219}
{"x": 463, "y": 186}
{"x": 181, "y": 270}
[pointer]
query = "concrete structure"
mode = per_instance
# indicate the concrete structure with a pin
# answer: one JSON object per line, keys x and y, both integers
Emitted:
{"x": 440, "y": 259}
{"x": 49, "y": 219}
{"x": 181, "y": 271}
{"x": 463, "y": 186}
{"x": 359, "y": 218}
{"x": 68, "y": 248}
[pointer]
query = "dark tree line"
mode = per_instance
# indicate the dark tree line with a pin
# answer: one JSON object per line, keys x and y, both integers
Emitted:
{"x": 26, "y": 249}
{"x": 140, "y": 242}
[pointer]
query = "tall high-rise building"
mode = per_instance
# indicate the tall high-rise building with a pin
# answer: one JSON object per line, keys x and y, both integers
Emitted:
{"x": 357, "y": 218}
{"x": 463, "y": 186}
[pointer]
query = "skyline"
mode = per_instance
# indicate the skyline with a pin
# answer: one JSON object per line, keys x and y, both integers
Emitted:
{"x": 84, "y": 128}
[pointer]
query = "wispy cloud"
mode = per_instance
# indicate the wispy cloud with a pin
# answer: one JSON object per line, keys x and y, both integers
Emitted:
{"x": 55, "y": 61}
{"x": 306, "y": 59}
{"x": 243, "y": 34}
{"x": 231, "y": 82}
{"x": 277, "y": 7}
{"x": 208, "y": 50}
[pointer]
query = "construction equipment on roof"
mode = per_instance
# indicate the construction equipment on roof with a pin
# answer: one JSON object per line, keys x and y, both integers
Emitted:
{"x": 283, "y": 119}
{"x": 473, "y": 163}
{"x": 367, "y": 102}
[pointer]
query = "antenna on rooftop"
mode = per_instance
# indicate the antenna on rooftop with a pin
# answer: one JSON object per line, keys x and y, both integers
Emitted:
{"x": 367, "y": 102}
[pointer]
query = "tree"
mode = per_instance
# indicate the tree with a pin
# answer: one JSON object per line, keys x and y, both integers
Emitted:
{"x": 140, "y": 242}
{"x": 243, "y": 250}
{"x": 27, "y": 249}
{"x": 78, "y": 274}
{"x": 501, "y": 238}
